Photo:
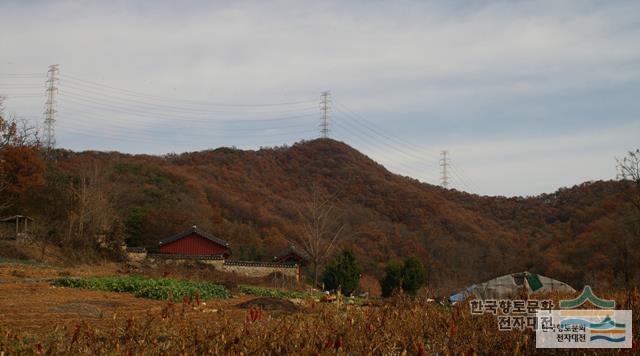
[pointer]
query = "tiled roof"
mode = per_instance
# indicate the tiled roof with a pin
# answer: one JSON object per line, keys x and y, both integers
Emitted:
{"x": 173, "y": 256}
{"x": 295, "y": 251}
{"x": 259, "y": 264}
{"x": 194, "y": 230}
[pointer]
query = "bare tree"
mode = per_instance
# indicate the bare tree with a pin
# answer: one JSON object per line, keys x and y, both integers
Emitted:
{"x": 92, "y": 220}
{"x": 3, "y": 182}
{"x": 629, "y": 172}
{"x": 321, "y": 229}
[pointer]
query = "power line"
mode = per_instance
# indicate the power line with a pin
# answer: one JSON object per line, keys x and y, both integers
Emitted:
{"x": 172, "y": 99}
{"x": 388, "y": 146}
{"x": 158, "y": 116}
{"x": 152, "y": 136}
{"x": 90, "y": 92}
{"x": 463, "y": 178}
{"x": 84, "y": 103}
{"x": 455, "y": 173}
{"x": 274, "y": 139}
{"x": 20, "y": 86}
{"x": 92, "y": 118}
{"x": 391, "y": 144}
{"x": 138, "y": 107}
{"x": 22, "y": 75}
{"x": 113, "y": 105}
{"x": 379, "y": 132}
{"x": 382, "y": 147}
{"x": 372, "y": 141}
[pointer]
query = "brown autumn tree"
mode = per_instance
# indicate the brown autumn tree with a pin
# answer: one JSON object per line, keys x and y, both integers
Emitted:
{"x": 21, "y": 167}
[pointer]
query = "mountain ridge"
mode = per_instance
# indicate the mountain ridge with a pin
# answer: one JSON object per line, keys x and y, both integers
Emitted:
{"x": 248, "y": 197}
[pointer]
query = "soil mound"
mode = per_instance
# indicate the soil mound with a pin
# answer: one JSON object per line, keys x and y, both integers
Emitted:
{"x": 269, "y": 303}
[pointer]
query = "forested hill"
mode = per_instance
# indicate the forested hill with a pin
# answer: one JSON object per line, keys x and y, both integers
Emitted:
{"x": 250, "y": 197}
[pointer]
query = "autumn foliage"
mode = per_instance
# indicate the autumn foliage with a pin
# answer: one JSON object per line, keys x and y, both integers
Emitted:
{"x": 252, "y": 199}
{"x": 21, "y": 167}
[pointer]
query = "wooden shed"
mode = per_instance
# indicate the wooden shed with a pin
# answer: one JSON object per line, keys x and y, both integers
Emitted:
{"x": 195, "y": 242}
{"x": 15, "y": 227}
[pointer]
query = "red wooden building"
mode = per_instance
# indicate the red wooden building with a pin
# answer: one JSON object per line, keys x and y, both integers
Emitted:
{"x": 195, "y": 242}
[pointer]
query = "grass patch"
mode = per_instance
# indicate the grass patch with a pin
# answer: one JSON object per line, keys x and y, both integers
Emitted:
{"x": 14, "y": 261}
{"x": 276, "y": 293}
{"x": 151, "y": 288}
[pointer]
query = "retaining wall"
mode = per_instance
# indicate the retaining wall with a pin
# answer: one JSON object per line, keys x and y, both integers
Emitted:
{"x": 245, "y": 268}
{"x": 216, "y": 261}
{"x": 261, "y": 269}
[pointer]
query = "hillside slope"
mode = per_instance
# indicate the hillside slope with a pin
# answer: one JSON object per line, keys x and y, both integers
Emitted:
{"x": 250, "y": 199}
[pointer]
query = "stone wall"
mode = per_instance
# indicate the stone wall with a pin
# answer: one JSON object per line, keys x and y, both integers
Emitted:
{"x": 135, "y": 254}
{"x": 244, "y": 268}
{"x": 216, "y": 261}
{"x": 262, "y": 269}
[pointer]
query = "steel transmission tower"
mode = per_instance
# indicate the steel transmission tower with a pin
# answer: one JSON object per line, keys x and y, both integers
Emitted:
{"x": 325, "y": 107}
{"x": 444, "y": 163}
{"x": 50, "y": 106}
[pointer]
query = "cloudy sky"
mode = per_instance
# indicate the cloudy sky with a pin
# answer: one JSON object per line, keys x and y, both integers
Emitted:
{"x": 526, "y": 96}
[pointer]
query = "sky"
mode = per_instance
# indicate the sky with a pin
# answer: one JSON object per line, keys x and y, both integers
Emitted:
{"x": 526, "y": 96}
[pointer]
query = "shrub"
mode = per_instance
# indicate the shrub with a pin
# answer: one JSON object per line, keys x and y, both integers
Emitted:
{"x": 392, "y": 279}
{"x": 408, "y": 276}
{"x": 413, "y": 276}
{"x": 343, "y": 273}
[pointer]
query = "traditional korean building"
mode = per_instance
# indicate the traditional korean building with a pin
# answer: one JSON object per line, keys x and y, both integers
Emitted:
{"x": 293, "y": 255}
{"x": 195, "y": 242}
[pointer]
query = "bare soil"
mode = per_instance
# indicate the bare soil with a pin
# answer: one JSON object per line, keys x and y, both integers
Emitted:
{"x": 270, "y": 304}
{"x": 38, "y": 307}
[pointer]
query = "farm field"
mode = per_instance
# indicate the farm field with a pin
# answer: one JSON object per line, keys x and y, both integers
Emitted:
{"x": 40, "y": 308}
{"x": 40, "y": 318}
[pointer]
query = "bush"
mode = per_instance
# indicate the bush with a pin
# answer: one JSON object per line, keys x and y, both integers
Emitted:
{"x": 408, "y": 277}
{"x": 344, "y": 273}
{"x": 413, "y": 276}
{"x": 392, "y": 279}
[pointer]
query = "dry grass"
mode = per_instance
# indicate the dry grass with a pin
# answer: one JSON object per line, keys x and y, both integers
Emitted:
{"x": 40, "y": 319}
{"x": 394, "y": 327}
